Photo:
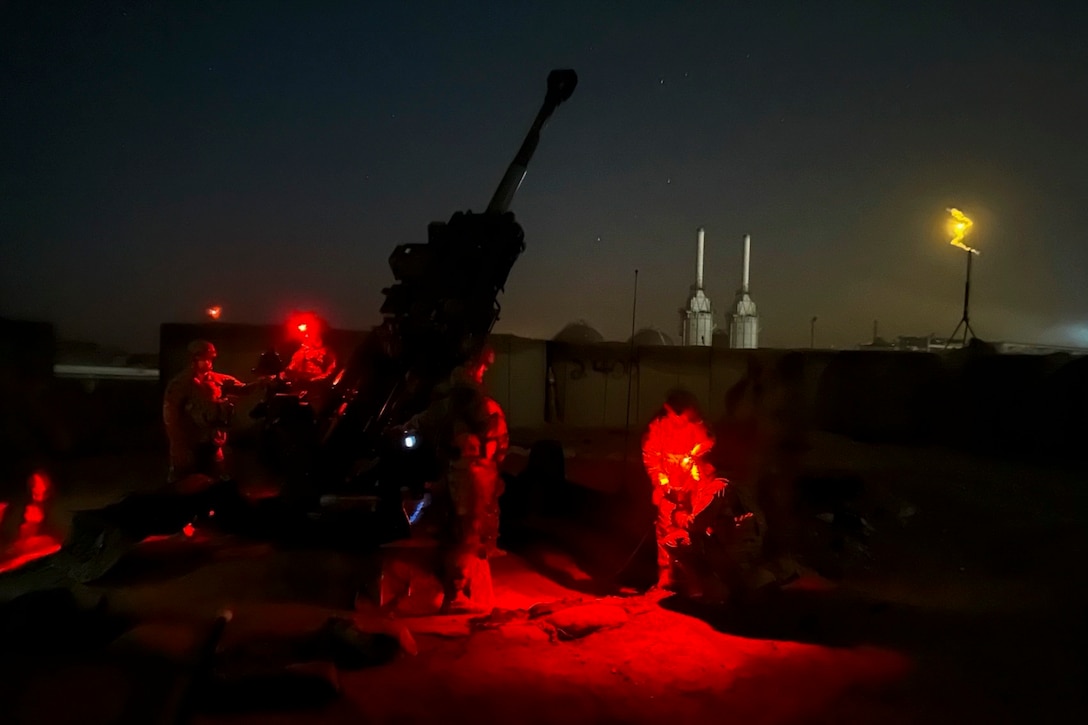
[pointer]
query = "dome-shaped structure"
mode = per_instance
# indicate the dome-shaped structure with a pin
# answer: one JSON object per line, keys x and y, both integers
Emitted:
{"x": 648, "y": 336}
{"x": 579, "y": 333}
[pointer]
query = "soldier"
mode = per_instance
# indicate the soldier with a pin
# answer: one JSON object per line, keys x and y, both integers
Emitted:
{"x": 495, "y": 444}
{"x": 708, "y": 536}
{"x": 470, "y": 431}
{"x": 312, "y": 362}
{"x": 197, "y": 414}
{"x": 683, "y": 482}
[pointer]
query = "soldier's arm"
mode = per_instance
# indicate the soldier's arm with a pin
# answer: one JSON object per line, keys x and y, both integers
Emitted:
{"x": 329, "y": 367}
{"x": 232, "y": 385}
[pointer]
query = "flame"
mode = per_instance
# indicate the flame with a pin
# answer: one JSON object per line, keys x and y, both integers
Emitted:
{"x": 959, "y": 225}
{"x": 214, "y": 312}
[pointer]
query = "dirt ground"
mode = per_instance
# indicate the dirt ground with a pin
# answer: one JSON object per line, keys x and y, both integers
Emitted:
{"x": 970, "y": 608}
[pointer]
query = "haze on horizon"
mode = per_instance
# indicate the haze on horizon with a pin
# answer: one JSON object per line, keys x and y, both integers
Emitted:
{"x": 266, "y": 156}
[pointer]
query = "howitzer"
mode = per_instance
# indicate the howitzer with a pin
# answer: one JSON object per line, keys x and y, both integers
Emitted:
{"x": 437, "y": 315}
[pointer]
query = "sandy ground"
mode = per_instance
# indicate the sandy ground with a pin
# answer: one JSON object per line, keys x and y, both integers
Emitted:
{"x": 972, "y": 610}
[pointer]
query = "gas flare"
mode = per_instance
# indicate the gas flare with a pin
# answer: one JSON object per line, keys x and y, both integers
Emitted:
{"x": 959, "y": 226}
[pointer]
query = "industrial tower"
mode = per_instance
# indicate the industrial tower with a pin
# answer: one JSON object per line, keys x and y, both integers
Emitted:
{"x": 744, "y": 327}
{"x": 697, "y": 319}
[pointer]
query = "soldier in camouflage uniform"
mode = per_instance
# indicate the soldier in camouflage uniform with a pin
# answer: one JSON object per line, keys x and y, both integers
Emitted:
{"x": 709, "y": 532}
{"x": 197, "y": 414}
{"x": 472, "y": 439}
{"x": 312, "y": 362}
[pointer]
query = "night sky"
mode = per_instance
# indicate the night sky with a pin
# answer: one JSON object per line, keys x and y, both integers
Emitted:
{"x": 160, "y": 157}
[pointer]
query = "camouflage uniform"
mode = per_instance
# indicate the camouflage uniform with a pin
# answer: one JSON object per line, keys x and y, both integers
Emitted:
{"x": 471, "y": 433}
{"x": 197, "y": 415}
{"x": 708, "y": 531}
{"x": 310, "y": 363}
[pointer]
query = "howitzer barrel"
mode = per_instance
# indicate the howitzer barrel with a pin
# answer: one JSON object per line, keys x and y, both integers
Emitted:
{"x": 438, "y": 314}
{"x": 561, "y": 84}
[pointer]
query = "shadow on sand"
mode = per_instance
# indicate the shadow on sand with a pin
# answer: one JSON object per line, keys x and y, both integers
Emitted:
{"x": 1011, "y": 655}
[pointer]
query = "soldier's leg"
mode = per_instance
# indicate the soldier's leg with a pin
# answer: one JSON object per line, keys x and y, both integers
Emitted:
{"x": 664, "y": 560}
{"x": 182, "y": 462}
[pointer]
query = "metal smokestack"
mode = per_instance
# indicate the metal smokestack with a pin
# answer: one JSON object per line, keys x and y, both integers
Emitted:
{"x": 747, "y": 261}
{"x": 699, "y": 262}
{"x": 744, "y": 328}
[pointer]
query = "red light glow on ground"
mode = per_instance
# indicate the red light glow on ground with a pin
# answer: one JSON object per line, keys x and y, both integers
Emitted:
{"x": 30, "y": 543}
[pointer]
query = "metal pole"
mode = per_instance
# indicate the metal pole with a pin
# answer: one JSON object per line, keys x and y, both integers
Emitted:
{"x": 967, "y": 300}
{"x": 631, "y": 354}
{"x": 630, "y": 372}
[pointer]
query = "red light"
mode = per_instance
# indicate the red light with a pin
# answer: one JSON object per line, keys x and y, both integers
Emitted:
{"x": 30, "y": 543}
{"x": 214, "y": 312}
{"x": 33, "y": 515}
{"x": 39, "y": 486}
{"x": 189, "y": 530}
{"x": 301, "y": 326}
{"x": 24, "y": 551}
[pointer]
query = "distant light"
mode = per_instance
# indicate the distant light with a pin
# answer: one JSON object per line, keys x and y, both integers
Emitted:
{"x": 214, "y": 312}
{"x": 959, "y": 226}
{"x": 410, "y": 441}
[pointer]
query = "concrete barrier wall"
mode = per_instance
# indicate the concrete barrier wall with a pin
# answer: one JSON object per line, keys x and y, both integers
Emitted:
{"x": 518, "y": 379}
{"x": 1027, "y": 404}
{"x": 1001, "y": 401}
{"x": 1064, "y": 397}
{"x": 883, "y": 396}
{"x": 1004, "y": 403}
